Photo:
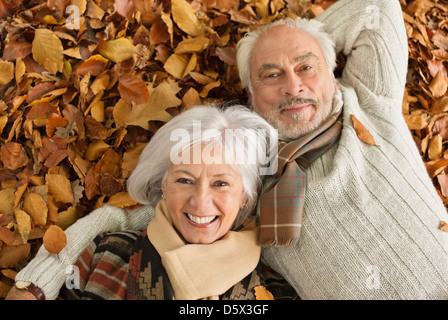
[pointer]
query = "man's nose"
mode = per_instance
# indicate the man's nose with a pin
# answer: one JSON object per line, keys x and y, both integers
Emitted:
{"x": 201, "y": 198}
{"x": 293, "y": 85}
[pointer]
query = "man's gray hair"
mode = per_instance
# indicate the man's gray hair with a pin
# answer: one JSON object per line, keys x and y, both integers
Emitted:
{"x": 145, "y": 183}
{"x": 312, "y": 27}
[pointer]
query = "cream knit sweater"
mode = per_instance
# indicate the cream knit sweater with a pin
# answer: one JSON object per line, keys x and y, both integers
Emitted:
{"x": 371, "y": 216}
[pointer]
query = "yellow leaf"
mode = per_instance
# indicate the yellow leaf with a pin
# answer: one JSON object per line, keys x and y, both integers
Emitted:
{"x": 169, "y": 23}
{"x": 66, "y": 218}
{"x": 36, "y": 207}
{"x": 185, "y": 17}
{"x": 48, "y": 51}
{"x": 363, "y": 134}
{"x": 121, "y": 200}
{"x": 176, "y": 64}
{"x": 54, "y": 239}
{"x": 208, "y": 87}
{"x": 59, "y": 187}
{"x": 192, "y": 45}
{"x": 6, "y": 72}
{"x": 95, "y": 150}
{"x": 7, "y": 201}
{"x": 415, "y": 121}
{"x": 435, "y": 147}
{"x": 438, "y": 85}
{"x": 161, "y": 98}
{"x": 118, "y": 50}
{"x": 23, "y": 223}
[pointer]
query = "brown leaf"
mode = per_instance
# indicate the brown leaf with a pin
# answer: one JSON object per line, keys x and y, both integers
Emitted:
{"x": 13, "y": 156}
{"x": 10, "y": 256}
{"x": 363, "y": 134}
{"x": 6, "y": 235}
{"x": 16, "y": 50}
{"x": 54, "y": 239}
{"x": 133, "y": 89}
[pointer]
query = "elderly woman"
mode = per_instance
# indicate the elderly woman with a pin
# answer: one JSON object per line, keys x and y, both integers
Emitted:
{"x": 202, "y": 243}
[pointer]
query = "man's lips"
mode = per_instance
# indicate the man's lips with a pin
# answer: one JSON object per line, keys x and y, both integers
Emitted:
{"x": 296, "y": 109}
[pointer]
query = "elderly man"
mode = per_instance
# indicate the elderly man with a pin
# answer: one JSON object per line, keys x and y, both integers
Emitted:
{"x": 343, "y": 218}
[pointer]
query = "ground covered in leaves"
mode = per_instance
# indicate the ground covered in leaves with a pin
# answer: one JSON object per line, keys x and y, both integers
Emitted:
{"x": 85, "y": 83}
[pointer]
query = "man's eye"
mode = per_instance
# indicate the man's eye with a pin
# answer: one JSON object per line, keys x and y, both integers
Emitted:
{"x": 272, "y": 75}
{"x": 306, "y": 68}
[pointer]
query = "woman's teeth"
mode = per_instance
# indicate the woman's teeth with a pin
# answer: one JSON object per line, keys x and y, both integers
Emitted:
{"x": 200, "y": 220}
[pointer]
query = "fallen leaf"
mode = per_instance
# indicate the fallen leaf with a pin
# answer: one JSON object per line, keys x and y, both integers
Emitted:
{"x": 361, "y": 131}
{"x": 13, "y": 156}
{"x": 439, "y": 85}
{"x": 59, "y": 187}
{"x": 6, "y": 72}
{"x": 36, "y": 207}
{"x": 443, "y": 226}
{"x": 118, "y": 50}
{"x": 133, "y": 89}
{"x": 54, "y": 239}
{"x": 261, "y": 293}
{"x": 47, "y": 50}
{"x": 23, "y": 221}
{"x": 185, "y": 17}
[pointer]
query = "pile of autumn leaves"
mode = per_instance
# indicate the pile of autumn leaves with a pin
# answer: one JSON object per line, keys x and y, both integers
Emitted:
{"x": 80, "y": 99}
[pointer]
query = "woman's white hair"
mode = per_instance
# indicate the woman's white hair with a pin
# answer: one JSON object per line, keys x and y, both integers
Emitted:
{"x": 312, "y": 27}
{"x": 145, "y": 183}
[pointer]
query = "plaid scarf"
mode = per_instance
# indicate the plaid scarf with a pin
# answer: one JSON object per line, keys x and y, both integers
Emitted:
{"x": 281, "y": 207}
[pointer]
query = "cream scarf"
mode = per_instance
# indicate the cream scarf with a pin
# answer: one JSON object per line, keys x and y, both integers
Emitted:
{"x": 198, "y": 271}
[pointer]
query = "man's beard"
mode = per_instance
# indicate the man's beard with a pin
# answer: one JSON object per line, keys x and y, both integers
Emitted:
{"x": 298, "y": 128}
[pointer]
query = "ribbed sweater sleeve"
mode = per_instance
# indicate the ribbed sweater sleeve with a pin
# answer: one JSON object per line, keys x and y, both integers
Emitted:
{"x": 50, "y": 271}
{"x": 372, "y": 35}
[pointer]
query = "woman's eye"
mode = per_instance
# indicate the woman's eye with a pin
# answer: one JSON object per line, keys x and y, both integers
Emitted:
{"x": 221, "y": 184}
{"x": 183, "y": 180}
{"x": 306, "y": 68}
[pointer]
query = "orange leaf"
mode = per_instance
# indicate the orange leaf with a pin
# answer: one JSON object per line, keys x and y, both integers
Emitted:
{"x": 54, "y": 239}
{"x": 363, "y": 134}
{"x": 261, "y": 293}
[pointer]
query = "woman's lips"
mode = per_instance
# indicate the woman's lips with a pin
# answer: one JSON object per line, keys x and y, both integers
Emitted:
{"x": 201, "y": 222}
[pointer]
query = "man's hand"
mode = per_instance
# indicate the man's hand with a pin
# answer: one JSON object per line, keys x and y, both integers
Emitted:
{"x": 19, "y": 294}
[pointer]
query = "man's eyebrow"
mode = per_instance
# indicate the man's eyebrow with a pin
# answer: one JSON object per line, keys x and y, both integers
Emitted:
{"x": 303, "y": 57}
{"x": 298, "y": 59}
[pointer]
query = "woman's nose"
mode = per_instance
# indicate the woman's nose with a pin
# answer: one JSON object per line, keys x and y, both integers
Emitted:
{"x": 201, "y": 198}
{"x": 293, "y": 85}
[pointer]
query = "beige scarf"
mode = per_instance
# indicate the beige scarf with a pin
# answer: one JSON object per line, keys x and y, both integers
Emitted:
{"x": 198, "y": 271}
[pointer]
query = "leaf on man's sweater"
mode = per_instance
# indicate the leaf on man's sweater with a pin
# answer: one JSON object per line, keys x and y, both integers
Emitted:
{"x": 361, "y": 131}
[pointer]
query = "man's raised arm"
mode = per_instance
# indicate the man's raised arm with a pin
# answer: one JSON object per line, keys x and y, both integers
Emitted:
{"x": 371, "y": 34}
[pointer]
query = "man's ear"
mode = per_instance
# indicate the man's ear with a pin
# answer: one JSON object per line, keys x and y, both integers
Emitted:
{"x": 249, "y": 94}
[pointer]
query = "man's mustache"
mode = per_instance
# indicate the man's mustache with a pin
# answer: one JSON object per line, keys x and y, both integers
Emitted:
{"x": 294, "y": 101}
